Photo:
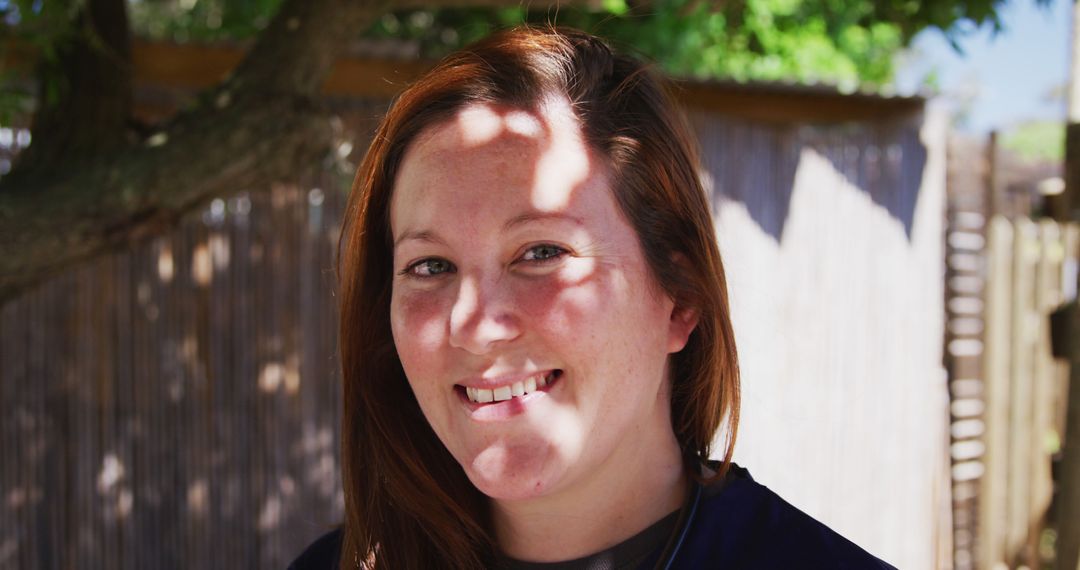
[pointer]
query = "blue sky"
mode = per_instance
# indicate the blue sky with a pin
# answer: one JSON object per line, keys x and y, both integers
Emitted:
{"x": 999, "y": 80}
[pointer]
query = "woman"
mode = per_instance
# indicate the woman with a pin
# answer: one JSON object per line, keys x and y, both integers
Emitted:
{"x": 535, "y": 338}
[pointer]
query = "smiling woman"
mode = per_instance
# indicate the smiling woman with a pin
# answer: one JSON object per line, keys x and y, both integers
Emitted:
{"x": 541, "y": 282}
{"x": 535, "y": 341}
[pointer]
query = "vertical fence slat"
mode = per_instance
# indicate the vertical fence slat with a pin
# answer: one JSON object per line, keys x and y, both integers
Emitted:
{"x": 993, "y": 503}
{"x": 1022, "y": 345}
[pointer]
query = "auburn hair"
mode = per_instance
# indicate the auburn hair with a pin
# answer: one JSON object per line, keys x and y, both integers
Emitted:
{"x": 408, "y": 504}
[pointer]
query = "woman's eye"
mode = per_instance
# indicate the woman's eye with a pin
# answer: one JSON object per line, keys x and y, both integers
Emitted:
{"x": 429, "y": 267}
{"x": 544, "y": 252}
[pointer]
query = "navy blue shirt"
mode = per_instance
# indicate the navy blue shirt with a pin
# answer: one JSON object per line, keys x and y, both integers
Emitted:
{"x": 743, "y": 524}
{"x": 739, "y": 524}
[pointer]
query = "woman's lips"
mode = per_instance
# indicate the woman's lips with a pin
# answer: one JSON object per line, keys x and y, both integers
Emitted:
{"x": 506, "y": 400}
{"x": 515, "y": 389}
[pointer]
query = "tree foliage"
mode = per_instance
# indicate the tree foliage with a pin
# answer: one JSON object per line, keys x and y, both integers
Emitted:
{"x": 1036, "y": 141}
{"x": 201, "y": 20}
{"x": 840, "y": 41}
{"x": 94, "y": 180}
{"x": 846, "y": 42}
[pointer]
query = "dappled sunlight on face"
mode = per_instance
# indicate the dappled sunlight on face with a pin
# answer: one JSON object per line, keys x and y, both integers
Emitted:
{"x": 561, "y": 163}
{"x": 513, "y": 264}
{"x": 481, "y": 124}
{"x": 564, "y": 166}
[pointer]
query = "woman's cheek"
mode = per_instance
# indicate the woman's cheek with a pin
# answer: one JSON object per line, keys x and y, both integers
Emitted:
{"x": 418, "y": 321}
{"x": 566, "y": 309}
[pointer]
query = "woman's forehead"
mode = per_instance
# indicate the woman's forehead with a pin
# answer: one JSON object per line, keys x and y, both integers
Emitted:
{"x": 478, "y": 124}
{"x": 486, "y": 153}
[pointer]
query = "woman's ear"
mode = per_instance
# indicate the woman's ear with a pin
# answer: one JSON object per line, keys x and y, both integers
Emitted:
{"x": 683, "y": 322}
{"x": 683, "y": 319}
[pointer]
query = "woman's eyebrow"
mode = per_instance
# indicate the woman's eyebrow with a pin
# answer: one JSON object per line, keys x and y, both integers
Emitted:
{"x": 526, "y": 218}
{"x": 422, "y": 235}
{"x": 529, "y": 217}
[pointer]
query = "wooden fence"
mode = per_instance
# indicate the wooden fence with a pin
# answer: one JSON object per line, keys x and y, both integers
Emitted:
{"x": 176, "y": 406}
{"x": 1006, "y": 274}
{"x": 1029, "y": 265}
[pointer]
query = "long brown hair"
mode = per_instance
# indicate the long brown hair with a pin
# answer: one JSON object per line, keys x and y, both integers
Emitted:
{"x": 408, "y": 503}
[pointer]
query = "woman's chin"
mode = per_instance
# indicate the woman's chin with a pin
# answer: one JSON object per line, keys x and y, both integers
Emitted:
{"x": 513, "y": 473}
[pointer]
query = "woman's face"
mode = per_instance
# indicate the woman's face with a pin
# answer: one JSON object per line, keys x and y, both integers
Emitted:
{"x": 525, "y": 317}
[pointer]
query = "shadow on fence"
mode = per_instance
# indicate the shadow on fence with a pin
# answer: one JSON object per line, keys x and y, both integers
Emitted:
{"x": 176, "y": 406}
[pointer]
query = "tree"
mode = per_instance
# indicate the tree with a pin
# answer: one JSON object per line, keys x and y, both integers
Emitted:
{"x": 93, "y": 181}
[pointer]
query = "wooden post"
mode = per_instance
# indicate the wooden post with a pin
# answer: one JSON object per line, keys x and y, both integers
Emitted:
{"x": 998, "y": 207}
{"x": 1048, "y": 296}
{"x": 1068, "y": 551}
{"x": 1068, "y": 541}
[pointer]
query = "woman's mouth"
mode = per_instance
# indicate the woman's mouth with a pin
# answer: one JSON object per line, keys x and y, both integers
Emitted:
{"x": 536, "y": 383}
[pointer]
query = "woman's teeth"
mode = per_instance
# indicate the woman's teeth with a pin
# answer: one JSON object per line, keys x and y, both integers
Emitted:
{"x": 503, "y": 393}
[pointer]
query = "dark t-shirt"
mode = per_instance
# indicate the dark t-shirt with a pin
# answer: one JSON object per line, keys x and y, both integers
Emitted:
{"x": 739, "y": 524}
{"x": 630, "y": 554}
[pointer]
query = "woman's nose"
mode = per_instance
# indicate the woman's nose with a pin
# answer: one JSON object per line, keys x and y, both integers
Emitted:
{"x": 483, "y": 316}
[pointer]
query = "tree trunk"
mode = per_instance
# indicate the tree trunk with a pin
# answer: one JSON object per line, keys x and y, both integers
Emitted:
{"x": 86, "y": 91}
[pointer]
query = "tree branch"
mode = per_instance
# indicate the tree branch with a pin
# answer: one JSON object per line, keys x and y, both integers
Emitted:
{"x": 296, "y": 52}
{"x": 262, "y": 124}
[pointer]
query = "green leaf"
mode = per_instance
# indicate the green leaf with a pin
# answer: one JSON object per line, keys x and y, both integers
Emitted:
{"x": 617, "y": 7}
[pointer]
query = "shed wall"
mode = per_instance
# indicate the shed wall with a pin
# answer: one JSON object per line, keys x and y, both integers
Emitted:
{"x": 833, "y": 245}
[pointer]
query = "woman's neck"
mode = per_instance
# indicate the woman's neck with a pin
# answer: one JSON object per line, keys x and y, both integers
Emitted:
{"x": 632, "y": 490}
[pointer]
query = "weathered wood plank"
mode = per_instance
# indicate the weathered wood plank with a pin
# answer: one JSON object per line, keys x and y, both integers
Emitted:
{"x": 1022, "y": 345}
{"x": 993, "y": 495}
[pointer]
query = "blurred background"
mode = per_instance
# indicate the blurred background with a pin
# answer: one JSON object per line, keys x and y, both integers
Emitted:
{"x": 893, "y": 195}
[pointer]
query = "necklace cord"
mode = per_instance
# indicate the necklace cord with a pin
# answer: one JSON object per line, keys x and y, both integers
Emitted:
{"x": 686, "y": 518}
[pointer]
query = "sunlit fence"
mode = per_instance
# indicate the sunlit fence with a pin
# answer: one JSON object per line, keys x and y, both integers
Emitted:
{"x": 176, "y": 405}
{"x": 1031, "y": 265}
{"x": 1006, "y": 274}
